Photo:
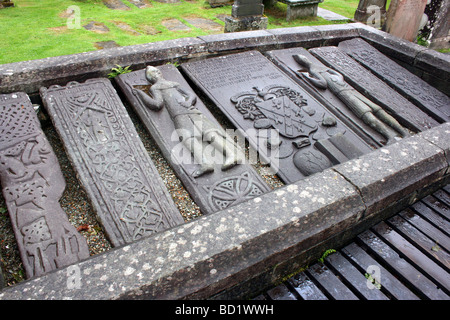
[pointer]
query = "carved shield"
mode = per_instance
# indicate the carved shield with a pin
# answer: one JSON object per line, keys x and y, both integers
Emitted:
{"x": 279, "y": 107}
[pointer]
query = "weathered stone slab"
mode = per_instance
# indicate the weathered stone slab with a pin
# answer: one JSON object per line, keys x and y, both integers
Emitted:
{"x": 113, "y": 166}
{"x": 175, "y": 25}
{"x": 281, "y": 120}
{"x": 32, "y": 184}
{"x": 330, "y": 96}
{"x": 403, "y": 18}
{"x": 374, "y": 88}
{"x": 394, "y": 172}
{"x": 141, "y": 3}
{"x": 426, "y": 97}
{"x": 211, "y": 191}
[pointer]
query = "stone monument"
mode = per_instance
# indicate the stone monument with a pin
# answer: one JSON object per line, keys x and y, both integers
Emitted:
{"x": 372, "y": 114}
{"x": 289, "y": 128}
{"x": 371, "y": 12}
{"x": 203, "y": 155}
{"x": 32, "y": 184}
{"x": 246, "y": 15}
{"x": 122, "y": 182}
{"x": 404, "y": 17}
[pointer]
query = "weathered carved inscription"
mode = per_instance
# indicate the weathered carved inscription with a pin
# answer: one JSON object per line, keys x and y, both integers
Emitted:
{"x": 32, "y": 185}
{"x": 279, "y": 119}
{"x": 214, "y": 190}
{"x": 117, "y": 173}
{"x": 426, "y": 97}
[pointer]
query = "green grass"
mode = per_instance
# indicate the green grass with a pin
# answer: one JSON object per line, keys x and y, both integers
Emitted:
{"x": 36, "y": 29}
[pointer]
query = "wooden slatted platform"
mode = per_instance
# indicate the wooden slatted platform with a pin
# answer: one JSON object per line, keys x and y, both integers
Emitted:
{"x": 406, "y": 257}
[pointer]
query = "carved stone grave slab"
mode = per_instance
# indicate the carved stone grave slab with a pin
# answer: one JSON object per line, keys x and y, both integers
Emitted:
{"x": 285, "y": 60}
{"x": 113, "y": 166}
{"x": 375, "y": 89}
{"x": 287, "y": 126}
{"x": 212, "y": 191}
{"x": 429, "y": 99}
{"x": 32, "y": 184}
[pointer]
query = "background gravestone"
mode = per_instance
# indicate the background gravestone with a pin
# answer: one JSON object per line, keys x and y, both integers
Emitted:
{"x": 439, "y": 36}
{"x": 6, "y": 3}
{"x": 246, "y": 15}
{"x": 366, "y": 12}
{"x": 404, "y": 17}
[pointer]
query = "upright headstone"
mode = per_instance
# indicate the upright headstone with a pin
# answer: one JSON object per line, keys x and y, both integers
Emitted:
{"x": 440, "y": 33}
{"x": 371, "y": 12}
{"x": 170, "y": 124}
{"x": 404, "y": 17}
{"x": 290, "y": 129}
{"x": 118, "y": 175}
{"x": 32, "y": 185}
{"x": 427, "y": 98}
{"x": 246, "y": 15}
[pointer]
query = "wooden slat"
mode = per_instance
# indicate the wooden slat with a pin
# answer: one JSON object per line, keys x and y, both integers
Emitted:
{"x": 425, "y": 287}
{"x": 428, "y": 246}
{"x": 281, "y": 292}
{"x": 433, "y": 217}
{"x": 414, "y": 254}
{"x": 306, "y": 288}
{"x": 437, "y": 206}
{"x": 427, "y": 228}
{"x": 331, "y": 284}
{"x": 388, "y": 282}
{"x": 442, "y": 196}
{"x": 356, "y": 279}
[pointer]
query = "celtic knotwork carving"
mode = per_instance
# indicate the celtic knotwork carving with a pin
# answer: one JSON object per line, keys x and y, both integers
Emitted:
{"x": 231, "y": 190}
{"x": 114, "y": 167}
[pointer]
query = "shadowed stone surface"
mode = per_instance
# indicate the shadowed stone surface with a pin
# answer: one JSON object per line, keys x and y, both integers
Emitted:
{"x": 426, "y": 97}
{"x": 281, "y": 120}
{"x": 212, "y": 191}
{"x": 114, "y": 168}
{"x": 115, "y": 5}
{"x": 32, "y": 184}
{"x": 374, "y": 88}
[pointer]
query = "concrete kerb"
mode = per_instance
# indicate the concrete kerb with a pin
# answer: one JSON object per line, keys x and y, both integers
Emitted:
{"x": 250, "y": 238}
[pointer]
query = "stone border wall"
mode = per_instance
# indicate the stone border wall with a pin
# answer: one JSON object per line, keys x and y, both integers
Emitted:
{"x": 255, "y": 245}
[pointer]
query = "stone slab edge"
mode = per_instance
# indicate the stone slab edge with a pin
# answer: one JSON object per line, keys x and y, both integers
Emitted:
{"x": 252, "y": 238}
{"x": 29, "y": 76}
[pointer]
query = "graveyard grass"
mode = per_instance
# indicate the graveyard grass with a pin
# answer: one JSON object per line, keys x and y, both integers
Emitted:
{"x": 36, "y": 29}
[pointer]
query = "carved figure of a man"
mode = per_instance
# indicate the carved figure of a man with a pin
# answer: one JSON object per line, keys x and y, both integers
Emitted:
{"x": 197, "y": 133}
{"x": 371, "y": 113}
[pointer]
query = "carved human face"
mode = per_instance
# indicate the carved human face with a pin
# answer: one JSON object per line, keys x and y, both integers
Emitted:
{"x": 152, "y": 74}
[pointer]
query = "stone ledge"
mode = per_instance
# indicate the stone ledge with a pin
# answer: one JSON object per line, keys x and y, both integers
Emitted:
{"x": 251, "y": 238}
{"x": 29, "y": 76}
{"x": 397, "y": 170}
{"x": 260, "y": 39}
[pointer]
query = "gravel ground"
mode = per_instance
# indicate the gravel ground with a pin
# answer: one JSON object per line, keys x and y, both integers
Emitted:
{"x": 76, "y": 204}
